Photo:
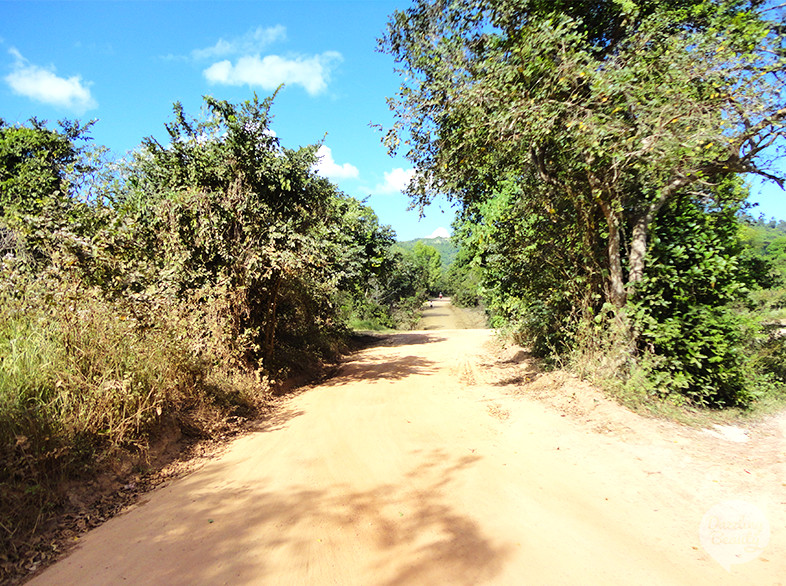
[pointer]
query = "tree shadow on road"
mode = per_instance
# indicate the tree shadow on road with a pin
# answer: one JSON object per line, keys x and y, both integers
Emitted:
{"x": 382, "y": 369}
{"x": 410, "y": 339}
{"x": 276, "y": 420}
{"x": 404, "y": 533}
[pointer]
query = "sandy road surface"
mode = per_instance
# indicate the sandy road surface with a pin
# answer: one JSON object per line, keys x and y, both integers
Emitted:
{"x": 416, "y": 466}
{"x": 439, "y": 314}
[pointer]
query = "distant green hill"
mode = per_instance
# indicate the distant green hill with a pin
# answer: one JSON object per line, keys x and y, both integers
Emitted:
{"x": 447, "y": 250}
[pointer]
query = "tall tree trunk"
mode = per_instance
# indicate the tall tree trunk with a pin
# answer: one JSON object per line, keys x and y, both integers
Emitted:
{"x": 641, "y": 228}
{"x": 270, "y": 322}
{"x": 638, "y": 249}
{"x": 617, "y": 292}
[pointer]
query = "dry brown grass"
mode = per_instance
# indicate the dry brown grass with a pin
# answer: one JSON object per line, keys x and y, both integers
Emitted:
{"x": 86, "y": 382}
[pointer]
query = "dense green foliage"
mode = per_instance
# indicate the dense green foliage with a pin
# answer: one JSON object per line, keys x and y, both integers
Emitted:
{"x": 588, "y": 143}
{"x": 767, "y": 239}
{"x": 683, "y": 305}
{"x": 442, "y": 276}
{"x": 446, "y": 248}
{"x": 35, "y": 163}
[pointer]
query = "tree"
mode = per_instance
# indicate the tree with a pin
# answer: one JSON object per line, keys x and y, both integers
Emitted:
{"x": 224, "y": 214}
{"x": 35, "y": 162}
{"x": 535, "y": 273}
{"x": 40, "y": 177}
{"x": 616, "y": 107}
{"x": 428, "y": 259}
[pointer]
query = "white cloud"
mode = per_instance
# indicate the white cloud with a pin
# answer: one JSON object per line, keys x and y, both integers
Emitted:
{"x": 396, "y": 181}
{"x": 250, "y": 43}
{"x": 43, "y": 85}
{"x": 327, "y": 167}
{"x": 440, "y": 233}
{"x": 313, "y": 73}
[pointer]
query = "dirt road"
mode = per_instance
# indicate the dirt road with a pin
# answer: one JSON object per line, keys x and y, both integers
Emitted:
{"x": 439, "y": 314}
{"x": 423, "y": 463}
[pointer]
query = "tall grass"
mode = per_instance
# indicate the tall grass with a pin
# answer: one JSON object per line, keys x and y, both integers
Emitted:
{"x": 83, "y": 378}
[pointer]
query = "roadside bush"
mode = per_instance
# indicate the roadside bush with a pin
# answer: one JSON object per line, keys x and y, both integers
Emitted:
{"x": 82, "y": 379}
{"x": 684, "y": 309}
{"x": 700, "y": 355}
{"x": 770, "y": 352}
{"x": 364, "y": 313}
{"x": 535, "y": 270}
{"x": 766, "y": 342}
{"x": 405, "y": 312}
{"x": 463, "y": 280}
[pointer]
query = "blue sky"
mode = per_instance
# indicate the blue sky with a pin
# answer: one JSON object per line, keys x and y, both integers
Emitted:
{"x": 125, "y": 63}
